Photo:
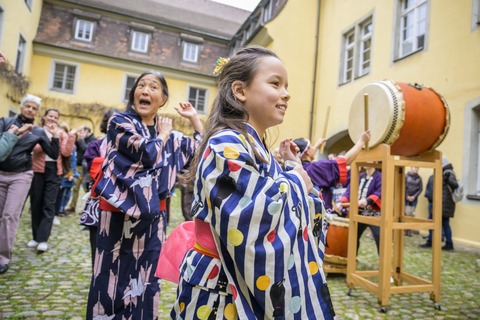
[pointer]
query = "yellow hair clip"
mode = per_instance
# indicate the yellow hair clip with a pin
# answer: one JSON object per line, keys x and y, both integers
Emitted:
{"x": 221, "y": 62}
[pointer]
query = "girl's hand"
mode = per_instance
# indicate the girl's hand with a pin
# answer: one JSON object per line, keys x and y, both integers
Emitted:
{"x": 366, "y": 136}
{"x": 53, "y": 129}
{"x": 186, "y": 110}
{"x": 2, "y": 58}
{"x": 362, "y": 203}
{"x": 305, "y": 177}
{"x": 289, "y": 150}
{"x": 164, "y": 127}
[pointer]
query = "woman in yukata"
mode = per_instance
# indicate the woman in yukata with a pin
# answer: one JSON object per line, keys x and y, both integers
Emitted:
{"x": 143, "y": 156}
{"x": 256, "y": 255}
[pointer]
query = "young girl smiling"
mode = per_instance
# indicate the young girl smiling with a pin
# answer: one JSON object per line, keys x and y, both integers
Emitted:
{"x": 255, "y": 256}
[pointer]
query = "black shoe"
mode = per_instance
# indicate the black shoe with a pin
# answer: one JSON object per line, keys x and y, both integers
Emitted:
{"x": 3, "y": 268}
{"x": 426, "y": 245}
{"x": 448, "y": 246}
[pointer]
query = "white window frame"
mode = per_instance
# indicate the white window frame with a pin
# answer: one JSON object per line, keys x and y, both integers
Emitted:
{"x": 66, "y": 78}
{"x": 365, "y": 47}
{"x": 21, "y": 52}
{"x": 140, "y": 41}
{"x": 348, "y": 56}
{"x": 84, "y": 30}
{"x": 412, "y": 25}
{"x": 267, "y": 12}
{"x": 356, "y": 45}
{"x": 196, "y": 101}
{"x": 28, "y": 3}
{"x": 190, "y": 51}
{"x": 127, "y": 88}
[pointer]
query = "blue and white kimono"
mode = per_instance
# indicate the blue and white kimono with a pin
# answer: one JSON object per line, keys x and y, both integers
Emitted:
{"x": 139, "y": 172}
{"x": 263, "y": 223}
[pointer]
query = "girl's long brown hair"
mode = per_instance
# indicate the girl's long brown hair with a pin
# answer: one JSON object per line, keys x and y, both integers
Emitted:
{"x": 227, "y": 111}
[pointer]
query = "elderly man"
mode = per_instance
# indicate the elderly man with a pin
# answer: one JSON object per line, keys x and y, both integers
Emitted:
{"x": 16, "y": 172}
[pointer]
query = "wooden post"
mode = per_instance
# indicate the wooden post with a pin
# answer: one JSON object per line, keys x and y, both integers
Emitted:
{"x": 324, "y": 133}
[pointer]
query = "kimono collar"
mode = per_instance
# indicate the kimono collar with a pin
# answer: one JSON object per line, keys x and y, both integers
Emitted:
{"x": 133, "y": 114}
{"x": 258, "y": 142}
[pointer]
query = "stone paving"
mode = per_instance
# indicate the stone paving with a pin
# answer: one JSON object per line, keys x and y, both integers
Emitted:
{"x": 54, "y": 285}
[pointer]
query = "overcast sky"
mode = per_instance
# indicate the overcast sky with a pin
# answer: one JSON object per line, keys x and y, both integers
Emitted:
{"x": 242, "y": 4}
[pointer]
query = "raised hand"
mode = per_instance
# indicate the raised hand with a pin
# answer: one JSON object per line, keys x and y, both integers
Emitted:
{"x": 366, "y": 136}
{"x": 186, "y": 110}
{"x": 53, "y": 129}
{"x": 164, "y": 127}
{"x": 2, "y": 58}
{"x": 24, "y": 128}
{"x": 289, "y": 150}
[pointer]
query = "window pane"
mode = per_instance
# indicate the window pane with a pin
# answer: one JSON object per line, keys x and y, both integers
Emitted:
{"x": 190, "y": 52}
{"x": 84, "y": 30}
{"x": 128, "y": 86}
{"x": 413, "y": 26}
{"x": 140, "y": 41}
{"x": 64, "y": 77}
{"x": 20, "y": 55}
{"x": 197, "y": 98}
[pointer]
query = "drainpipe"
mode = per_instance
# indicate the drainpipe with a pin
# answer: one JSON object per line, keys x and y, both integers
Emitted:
{"x": 315, "y": 63}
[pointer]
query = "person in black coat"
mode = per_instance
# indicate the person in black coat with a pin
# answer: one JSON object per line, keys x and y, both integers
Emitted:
{"x": 448, "y": 205}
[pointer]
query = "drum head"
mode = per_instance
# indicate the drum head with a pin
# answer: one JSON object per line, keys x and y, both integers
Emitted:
{"x": 384, "y": 102}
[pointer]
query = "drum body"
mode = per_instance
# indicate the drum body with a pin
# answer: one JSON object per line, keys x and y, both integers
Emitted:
{"x": 336, "y": 247}
{"x": 410, "y": 118}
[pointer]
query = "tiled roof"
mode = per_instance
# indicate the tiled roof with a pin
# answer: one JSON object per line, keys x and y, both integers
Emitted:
{"x": 203, "y": 16}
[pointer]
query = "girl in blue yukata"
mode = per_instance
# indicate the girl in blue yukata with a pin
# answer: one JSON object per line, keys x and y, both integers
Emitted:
{"x": 259, "y": 231}
{"x": 142, "y": 158}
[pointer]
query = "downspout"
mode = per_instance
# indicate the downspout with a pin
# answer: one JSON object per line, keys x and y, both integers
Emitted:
{"x": 315, "y": 63}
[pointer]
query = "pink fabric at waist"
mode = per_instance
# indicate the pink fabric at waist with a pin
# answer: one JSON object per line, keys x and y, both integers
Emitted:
{"x": 204, "y": 237}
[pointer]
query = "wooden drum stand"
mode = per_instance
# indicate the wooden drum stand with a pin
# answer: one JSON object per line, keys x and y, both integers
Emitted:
{"x": 393, "y": 222}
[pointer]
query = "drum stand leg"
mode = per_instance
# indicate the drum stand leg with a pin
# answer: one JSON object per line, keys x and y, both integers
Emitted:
{"x": 392, "y": 223}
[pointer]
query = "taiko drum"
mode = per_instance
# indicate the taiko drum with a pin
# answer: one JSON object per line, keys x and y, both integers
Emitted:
{"x": 336, "y": 247}
{"x": 412, "y": 119}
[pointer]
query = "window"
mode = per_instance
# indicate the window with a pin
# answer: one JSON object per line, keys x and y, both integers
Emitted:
{"x": 20, "y": 55}
{"x": 365, "y": 48}
{"x": 349, "y": 52}
{"x": 267, "y": 12}
{"x": 2, "y": 18}
{"x": 64, "y": 77}
{"x": 475, "y": 14}
{"x": 140, "y": 41}
{"x": 128, "y": 86}
{"x": 412, "y": 27}
{"x": 197, "y": 97}
{"x": 29, "y": 4}
{"x": 357, "y": 47}
{"x": 190, "y": 52}
{"x": 84, "y": 30}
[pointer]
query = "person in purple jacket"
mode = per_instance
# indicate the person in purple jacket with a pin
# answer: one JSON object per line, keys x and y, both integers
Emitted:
{"x": 326, "y": 174}
{"x": 369, "y": 201}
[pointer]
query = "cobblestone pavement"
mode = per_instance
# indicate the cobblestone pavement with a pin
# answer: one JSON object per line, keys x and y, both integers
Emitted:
{"x": 54, "y": 285}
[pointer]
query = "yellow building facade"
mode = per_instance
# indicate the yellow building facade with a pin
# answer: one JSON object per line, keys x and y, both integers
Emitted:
{"x": 18, "y": 26}
{"x": 432, "y": 43}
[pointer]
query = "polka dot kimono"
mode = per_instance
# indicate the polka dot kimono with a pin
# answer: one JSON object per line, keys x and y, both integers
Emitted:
{"x": 263, "y": 222}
